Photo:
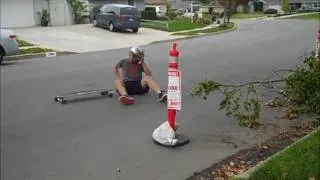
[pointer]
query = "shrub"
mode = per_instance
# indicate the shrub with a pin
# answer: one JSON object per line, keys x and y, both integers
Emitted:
{"x": 271, "y": 11}
{"x": 203, "y": 21}
{"x": 206, "y": 19}
{"x": 44, "y": 17}
{"x": 149, "y": 13}
{"x": 171, "y": 15}
{"x": 303, "y": 87}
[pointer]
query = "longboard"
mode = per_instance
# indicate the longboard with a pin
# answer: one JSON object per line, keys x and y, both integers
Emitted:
{"x": 103, "y": 92}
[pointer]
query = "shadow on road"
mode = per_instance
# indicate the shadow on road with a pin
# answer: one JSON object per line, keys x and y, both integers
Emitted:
{"x": 84, "y": 99}
{"x": 10, "y": 63}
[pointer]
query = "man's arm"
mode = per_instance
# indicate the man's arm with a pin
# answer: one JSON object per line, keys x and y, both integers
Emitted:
{"x": 146, "y": 70}
{"x": 116, "y": 70}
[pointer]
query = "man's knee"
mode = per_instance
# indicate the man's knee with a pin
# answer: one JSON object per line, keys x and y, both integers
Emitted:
{"x": 147, "y": 78}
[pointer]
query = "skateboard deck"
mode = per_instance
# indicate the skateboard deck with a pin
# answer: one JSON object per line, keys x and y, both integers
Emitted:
{"x": 103, "y": 92}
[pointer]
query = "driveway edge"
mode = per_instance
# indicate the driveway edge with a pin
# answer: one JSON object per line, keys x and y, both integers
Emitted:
{"x": 197, "y": 36}
{"x": 36, "y": 55}
{"x": 246, "y": 175}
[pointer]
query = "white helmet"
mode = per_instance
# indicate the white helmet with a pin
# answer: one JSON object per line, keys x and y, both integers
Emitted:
{"x": 138, "y": 51}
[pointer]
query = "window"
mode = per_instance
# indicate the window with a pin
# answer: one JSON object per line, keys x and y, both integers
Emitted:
{"x": 129, "y": 11}
{"x": 131, "y": 2}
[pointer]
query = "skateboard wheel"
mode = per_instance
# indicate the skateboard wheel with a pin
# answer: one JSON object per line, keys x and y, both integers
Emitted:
{"x": 103, "y": 93}
{"x": 56, "y": 99}
{"x": 110, "y": 95}
{"x": 63, "y": 101}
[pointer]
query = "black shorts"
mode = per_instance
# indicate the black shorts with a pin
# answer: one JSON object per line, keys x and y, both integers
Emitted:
{"x": 135, "y": 88}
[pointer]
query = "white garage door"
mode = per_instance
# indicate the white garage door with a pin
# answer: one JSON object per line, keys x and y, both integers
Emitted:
{"x": 17, "y": 13}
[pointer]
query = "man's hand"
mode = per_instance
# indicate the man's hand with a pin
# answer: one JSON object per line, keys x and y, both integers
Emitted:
{"x": 141, "y": 61}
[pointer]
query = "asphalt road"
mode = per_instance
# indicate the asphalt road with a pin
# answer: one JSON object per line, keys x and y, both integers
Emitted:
{"x": 91, "y": 139}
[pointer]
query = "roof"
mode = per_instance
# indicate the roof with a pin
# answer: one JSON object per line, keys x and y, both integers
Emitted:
{"x": 156, "y": 2}
{"x": 272, "y": 2}
{"x": 303, "y": 1}
{"x": 121, "y": 5}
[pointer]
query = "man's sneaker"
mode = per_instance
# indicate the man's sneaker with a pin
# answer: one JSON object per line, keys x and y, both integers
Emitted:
{"x": 127, "y": 100}
{"x": 162, "y": 96}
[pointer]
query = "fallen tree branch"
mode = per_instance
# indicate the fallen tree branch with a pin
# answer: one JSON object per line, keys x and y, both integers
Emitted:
{"x": 254, "y": 82}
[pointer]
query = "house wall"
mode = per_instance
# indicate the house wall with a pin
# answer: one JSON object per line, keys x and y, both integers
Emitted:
{"x": 163, "y": 7}
{"x": 177, "y": 4}
{"x": 17, "y": 13}
{"x": 24, "y": 13}
{"x": 60, "y": 13}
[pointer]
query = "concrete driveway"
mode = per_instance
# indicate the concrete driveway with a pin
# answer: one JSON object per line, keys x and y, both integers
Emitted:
{"x": 86, "y": 38}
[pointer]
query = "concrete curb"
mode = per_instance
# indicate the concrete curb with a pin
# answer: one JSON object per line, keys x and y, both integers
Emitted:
{"x": 28, "y": 47}
{"x": 247, "y": 174}
{"x": 196, "y": 36}
{"x": 35, "y": 55}
{"x": 292, "y": 15}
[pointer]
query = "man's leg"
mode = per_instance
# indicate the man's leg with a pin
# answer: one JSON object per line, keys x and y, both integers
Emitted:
{"x": 121, "y": 88}
{"x": 147, "y": 81}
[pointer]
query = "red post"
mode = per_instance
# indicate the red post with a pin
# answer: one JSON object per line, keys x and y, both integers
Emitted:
{"x": 173, "y": 65}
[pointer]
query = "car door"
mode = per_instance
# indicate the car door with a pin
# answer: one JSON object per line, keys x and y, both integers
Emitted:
{"x": 111, "y": 15}
{"x": 102, "y": 15}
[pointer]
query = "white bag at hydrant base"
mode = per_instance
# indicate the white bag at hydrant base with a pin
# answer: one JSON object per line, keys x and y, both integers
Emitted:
{"x": 165, "y": 135}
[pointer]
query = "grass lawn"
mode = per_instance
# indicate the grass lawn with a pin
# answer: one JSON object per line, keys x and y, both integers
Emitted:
{"x": 301, "y": 161}
{"x": 174, "y": 25}
{"x": 34, "y": 50}
{"x": 307, "y": 16}
{"x": 247, "y": 15}
{"x": 210, "y": 30}
{"x": 23, "y": 43}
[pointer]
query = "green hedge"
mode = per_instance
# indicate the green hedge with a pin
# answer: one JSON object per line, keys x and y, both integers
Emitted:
{"x": 271, "y": 11}
{"x": 149, "y": 13}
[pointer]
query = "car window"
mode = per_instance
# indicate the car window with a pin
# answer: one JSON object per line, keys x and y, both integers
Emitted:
{"x": 103, "y": 8}
{"x": 129, "y": 11}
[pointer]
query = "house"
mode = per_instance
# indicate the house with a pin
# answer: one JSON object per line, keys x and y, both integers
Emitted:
{"x": 160, "y": 3}
{"x": 263, "y": 5}
{"x": 184, "y": 4}
{"x": 296, "y": 4}
{"x": 25, "y": 13}
{"x": 140, "y": 4}
{"x": 18, "y": 13}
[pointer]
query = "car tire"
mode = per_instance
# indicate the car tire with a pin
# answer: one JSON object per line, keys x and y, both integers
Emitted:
{"x": 1, "y": 55}
{"x": 135, "y": 30}
{"x": 111, "y": 27}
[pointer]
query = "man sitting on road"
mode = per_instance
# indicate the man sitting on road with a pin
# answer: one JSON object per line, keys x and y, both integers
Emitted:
{"x": 132, "y": 82}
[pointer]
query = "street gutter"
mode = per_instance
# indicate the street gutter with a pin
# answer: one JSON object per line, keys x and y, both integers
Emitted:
{"x": 36, "y": 55}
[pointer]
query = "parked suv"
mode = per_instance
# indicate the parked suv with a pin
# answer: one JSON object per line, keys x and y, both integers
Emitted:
{"x": 117, "y": 16}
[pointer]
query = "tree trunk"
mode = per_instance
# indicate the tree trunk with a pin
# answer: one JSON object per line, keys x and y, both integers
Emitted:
{"x": 229, "y": 11}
